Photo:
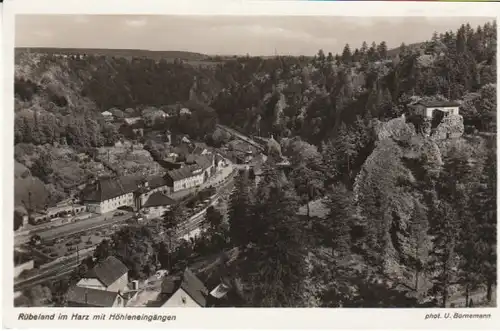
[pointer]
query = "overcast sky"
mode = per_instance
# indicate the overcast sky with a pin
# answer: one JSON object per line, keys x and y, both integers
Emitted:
{"x": 257, "y": 35}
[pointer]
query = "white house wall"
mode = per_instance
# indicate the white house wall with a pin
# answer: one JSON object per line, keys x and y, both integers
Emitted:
{"x": 111, "y": 204}
{"x": 120, "y": 284}
{"x": 189, "y": 182}
{"x": 450, "y": 110}
{"x": 93, "y": 207}
{"x": 91, "y": 283}
{"x": 155, "y": 212}
{"x": 176, "y": 300}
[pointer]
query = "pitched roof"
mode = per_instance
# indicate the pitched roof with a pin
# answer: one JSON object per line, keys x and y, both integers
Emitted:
{"x": 218, "y": 158}
{"x": 109, "y": 188}
{"x": 156, "y": 181}
{"x": 199, "y": 148}
{"x": 204, "y": 161}
{"x": 182, "y": 173}
{"x": 89, "y": 297}
{"x": 438, "y": 103}
{"x": 159, "y": 199}
{"x": 191, "y": 158}
{"x": 191, "y": 284}
{"x": 108, "y": 271}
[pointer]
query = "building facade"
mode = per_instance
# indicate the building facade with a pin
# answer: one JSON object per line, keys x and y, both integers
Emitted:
{"x": 109, "y": 275}
{"x": 88, "y": 297}
{"x": 109, "y": 194}
{"x": 184, "y": 290}
{"x": 156, "y": 205}
{"x": 198, "y": 172}
{"x": 427, "y": 109}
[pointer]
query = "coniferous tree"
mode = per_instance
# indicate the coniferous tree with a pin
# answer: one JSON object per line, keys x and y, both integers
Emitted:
{"x": 346, "y": 55}
{"x": 240, "y": 211}
{"x": 274, "y": 264}
{"x": 485, "y": 214}
{"x": 382, "y": 50}
{"x": 364, "y": 48}
{"x": 330, "y": 58}
{"x": 442, "y": 257}
{"x": 468, "y": 250}
{"x": 419, "y": 228}
{"x": 339, "y": 221}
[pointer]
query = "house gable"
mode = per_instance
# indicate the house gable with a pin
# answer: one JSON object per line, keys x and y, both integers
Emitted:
{"x": 109, "y": 271}
{"x": 91, "y": 283}
{"x": 181, "y": 299}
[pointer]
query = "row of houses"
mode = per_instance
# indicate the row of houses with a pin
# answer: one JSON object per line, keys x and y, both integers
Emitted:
{"x": 150, "y": 195}
{"x": 108, "y": 285}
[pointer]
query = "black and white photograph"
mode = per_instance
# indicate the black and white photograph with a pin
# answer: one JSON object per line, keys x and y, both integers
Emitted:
{"x": 255, "y": 162}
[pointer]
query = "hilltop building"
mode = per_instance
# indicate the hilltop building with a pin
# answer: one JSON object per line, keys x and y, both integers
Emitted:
{"x": 427, "y": 108}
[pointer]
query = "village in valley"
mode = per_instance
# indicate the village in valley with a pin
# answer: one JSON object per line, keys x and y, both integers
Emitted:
{"x": 194, "y": 175}
{"x": 360, "y": 179}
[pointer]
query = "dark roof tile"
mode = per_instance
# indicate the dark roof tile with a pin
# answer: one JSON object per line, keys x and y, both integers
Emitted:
{"x": 156, "y": 181}
{"x": 108, "y": 271}
{"x": 438, "y": 103}
{"x": 191, "y": 284}
{"x": 109, "y": 188}
{"x": 204, "y": 161}
{"x": 159, "y": 199}
{"x": 182, "y": 173}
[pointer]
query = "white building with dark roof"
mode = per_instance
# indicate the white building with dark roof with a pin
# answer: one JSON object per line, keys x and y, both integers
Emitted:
{"x": 193, "y": 175}
{"x": 105, "y": 285}
{"x": 427, "y": 108}
{"x": 156, "y": 205}
{"x": 89, "y": 297}
{"x": 108, "y": 275}
{"x": 184, "y": 290}
{"x": 109, "y": 194}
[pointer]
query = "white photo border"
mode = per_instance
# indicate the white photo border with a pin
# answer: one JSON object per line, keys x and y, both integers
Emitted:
{"x": 251, "y": 318}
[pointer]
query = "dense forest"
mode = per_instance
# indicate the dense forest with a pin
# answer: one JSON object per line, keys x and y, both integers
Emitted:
{"x": 411, "y": 217}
